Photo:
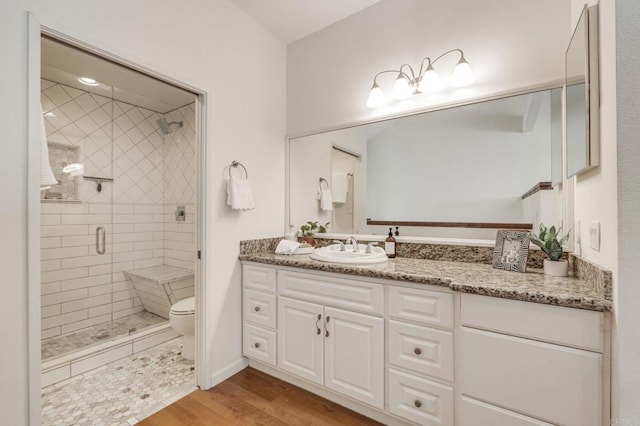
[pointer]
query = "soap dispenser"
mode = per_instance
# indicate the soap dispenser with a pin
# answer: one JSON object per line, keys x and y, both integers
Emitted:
{"x": 390, "y": 245}
{"x": 291, "y": 235}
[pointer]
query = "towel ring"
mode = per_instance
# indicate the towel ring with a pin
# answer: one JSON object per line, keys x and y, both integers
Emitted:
{"x": 321, "y": 180}
{"x": 235, "y": 164}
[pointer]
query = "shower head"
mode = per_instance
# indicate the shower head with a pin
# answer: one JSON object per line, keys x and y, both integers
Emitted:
{"x": 165, "y": 127}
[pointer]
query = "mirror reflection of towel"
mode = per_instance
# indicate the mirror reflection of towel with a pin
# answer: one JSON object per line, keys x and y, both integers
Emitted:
{"x": 46, "y": 175}
{"x": 340, "y": 187}
{"x": 326, "y": 200}
{"x": 239, "y": 194}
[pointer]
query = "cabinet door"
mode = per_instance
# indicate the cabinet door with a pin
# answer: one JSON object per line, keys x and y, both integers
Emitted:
{"x": 354, "y": 355}
{"x": 301, "y": 339}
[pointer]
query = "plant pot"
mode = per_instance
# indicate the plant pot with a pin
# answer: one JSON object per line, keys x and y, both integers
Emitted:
{"x": 556, "y": 268}
{"x": 309, "y": 240}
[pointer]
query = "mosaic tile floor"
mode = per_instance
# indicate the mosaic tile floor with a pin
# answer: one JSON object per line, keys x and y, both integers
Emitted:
{"x": 81, "y": 339}
{"x": 123, "y": 392}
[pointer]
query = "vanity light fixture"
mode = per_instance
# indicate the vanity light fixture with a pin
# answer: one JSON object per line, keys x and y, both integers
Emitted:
{"x": 409, "y": 83}
{"x": 88, "y": 81}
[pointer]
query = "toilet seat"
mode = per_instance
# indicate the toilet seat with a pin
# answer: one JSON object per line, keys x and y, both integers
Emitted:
{"x": 184, "y": 307}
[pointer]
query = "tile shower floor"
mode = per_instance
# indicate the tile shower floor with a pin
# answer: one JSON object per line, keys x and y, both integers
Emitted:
{"x": 123, "y": 392}
{"x": 71, "y": 342}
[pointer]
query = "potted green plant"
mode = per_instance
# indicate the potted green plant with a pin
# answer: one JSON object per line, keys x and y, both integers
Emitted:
{"x": 308, "y": 230}
{"x": 551, "y": 241}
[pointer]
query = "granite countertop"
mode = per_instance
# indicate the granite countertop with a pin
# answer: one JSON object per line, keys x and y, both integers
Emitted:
{"x": 474, "y": 278}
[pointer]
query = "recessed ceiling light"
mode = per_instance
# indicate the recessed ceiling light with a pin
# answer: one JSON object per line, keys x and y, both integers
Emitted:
{"x": 88, "y": 81}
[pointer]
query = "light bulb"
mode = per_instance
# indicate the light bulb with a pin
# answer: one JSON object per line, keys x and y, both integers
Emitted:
{"x": 462, "y": 74}
{"x": 401, "y": 88}
{"x": 74, "y": 169}
{"x": 430, "y": 81}
{"x": 88, "y": 81}
{"x": 376, "y": 98}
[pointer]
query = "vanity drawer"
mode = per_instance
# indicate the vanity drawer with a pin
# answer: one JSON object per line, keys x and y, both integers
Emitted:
{"x": 359, "y": 296}
{"x": 477, "y": 413}
{"x": 259, "y": 308}
{"x": 259, "y": 278}
{"x": 555, "y": 324}
{"x": 419, "y": 400}
{"x": 555, "y": 383}
{"x": 259, "y": 344}
{"x": 421, "y": 349}
{"x": 421, "y": 306}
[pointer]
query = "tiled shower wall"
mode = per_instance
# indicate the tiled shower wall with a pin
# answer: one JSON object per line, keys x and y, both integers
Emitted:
{"x": 180, "y": 188}
{"x": 79, "y": 287}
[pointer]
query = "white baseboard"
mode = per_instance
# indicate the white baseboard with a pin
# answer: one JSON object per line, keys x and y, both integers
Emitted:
{"x": 228, "y": 371}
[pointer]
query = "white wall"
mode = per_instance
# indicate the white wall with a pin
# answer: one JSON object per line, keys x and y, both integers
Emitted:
{"x": 509, "y": 45}
{"x": 210, "y": 43}
{"x": 595, "y": 195}
{"x": 628, "y": 178}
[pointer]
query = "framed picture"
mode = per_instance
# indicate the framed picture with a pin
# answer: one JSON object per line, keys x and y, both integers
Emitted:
{"x": 511, "y": 251}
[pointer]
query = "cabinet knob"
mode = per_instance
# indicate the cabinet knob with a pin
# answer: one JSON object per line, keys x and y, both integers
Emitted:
{"x": 417, "y": 351}
{"x": 257, "y": 345}
{"x": 257, "y": 309}
{"x": 417, "y": 403}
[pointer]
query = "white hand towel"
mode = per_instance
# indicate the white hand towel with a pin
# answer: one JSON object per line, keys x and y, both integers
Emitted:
{"x": 339, "y": 187}
{"x": 287, "y": 247}
{"x": 239, "y": 194}
{"x": 326, "y": 200}
{"x": 46, "y": 175}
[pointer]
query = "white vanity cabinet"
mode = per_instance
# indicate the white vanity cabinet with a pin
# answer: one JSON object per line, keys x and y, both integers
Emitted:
{"x": 259, "y": 313}
{"x": 413, "y": 354}
{"x": 546, "y": 363}
{"x": 334, "y": 347}
{"x": 420, "y": 355}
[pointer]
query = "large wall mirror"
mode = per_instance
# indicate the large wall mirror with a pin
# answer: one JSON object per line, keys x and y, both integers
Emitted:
{"x": 582, "y": 95}
{"x": 460, "y": 172}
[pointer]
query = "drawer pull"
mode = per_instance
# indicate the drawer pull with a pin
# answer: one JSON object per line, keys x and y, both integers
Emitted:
{"x": 417, "y": 403}
{"x": 257, "y": 345}
{"x": 417, "y": 351}
{"x": 257, "y": 309}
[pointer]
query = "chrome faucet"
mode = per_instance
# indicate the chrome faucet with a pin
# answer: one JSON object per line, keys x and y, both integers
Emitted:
{"x": 370, "y": 247}
{"x": 341, "y": 244}
{"x": 352, "y": 240}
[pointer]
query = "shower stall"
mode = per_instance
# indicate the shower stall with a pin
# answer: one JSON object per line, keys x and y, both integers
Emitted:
{"x": 123, "y": 153}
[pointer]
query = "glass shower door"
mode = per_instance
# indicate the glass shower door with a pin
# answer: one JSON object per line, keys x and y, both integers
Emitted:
{"x": 77, "y": 221}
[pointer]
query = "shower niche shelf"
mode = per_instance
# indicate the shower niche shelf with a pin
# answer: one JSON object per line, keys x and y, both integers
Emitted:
{"x": 67, "y": 189}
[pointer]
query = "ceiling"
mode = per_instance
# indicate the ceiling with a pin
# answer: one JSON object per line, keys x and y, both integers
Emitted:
{"x": 291, "y": 20}
{"x": 65, "y": 64}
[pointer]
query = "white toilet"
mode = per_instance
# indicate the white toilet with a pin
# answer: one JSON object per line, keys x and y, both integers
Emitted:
{"x": 183, "y": 320}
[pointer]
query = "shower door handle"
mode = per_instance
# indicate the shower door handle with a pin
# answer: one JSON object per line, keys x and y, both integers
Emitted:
{"x": 100, "y": 250}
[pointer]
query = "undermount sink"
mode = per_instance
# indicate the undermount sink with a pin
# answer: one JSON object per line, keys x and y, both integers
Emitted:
{"x": 333, "y": 254}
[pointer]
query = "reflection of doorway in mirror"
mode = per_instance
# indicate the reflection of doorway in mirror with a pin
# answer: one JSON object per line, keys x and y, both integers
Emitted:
{"x": 343, "y": 169}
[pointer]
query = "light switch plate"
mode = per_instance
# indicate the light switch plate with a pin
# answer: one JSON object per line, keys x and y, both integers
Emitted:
{"x": 594, "y": 236}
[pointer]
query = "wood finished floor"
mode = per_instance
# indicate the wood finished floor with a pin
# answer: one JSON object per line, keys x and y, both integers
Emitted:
{"x": 254, "y": 398}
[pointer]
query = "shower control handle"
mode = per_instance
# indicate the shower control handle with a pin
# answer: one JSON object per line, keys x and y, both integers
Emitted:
{"x": 99, "y": 249}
